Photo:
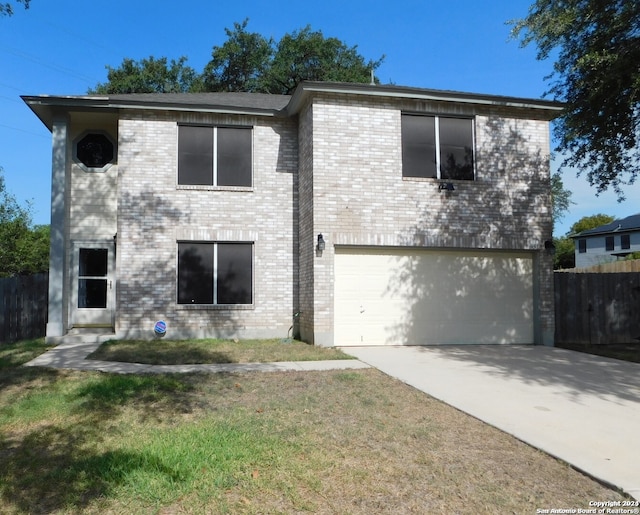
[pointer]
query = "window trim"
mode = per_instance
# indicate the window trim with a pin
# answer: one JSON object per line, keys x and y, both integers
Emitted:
{"x": 214, "y": 172}
{"x": 214, "y": 305}
{"x": 437, "y": 117}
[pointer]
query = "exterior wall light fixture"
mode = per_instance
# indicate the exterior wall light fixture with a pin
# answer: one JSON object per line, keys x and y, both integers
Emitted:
{"x": 446, "y": 186}
{"x": 321, "y": 244}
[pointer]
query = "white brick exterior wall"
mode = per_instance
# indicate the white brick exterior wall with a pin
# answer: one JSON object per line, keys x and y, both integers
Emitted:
{"x": 333, "y": 167}
{"x": 359, "y": 196}
{"x": 154, "y": 214}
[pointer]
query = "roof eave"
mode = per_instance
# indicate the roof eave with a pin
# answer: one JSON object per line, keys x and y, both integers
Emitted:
{"x": 45, "y": 106}
{"x": 553, "y": 109}
{"x": 200, "y": 108}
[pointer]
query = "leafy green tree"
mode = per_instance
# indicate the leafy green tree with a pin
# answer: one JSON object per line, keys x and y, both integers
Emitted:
{"x": 560, "y": 197}
{"x": 148, "y": 76}
{"x": 240, "y": 64}
{"x": 596, "y": 46}
{"x": 6, "y": 8}
{"x": 23, "y": 249}
{"x": 246, "y": 61}
{"x": 308, "y": 55}
{"x": 565, "y": 256}
{"x": 590, "y": 222}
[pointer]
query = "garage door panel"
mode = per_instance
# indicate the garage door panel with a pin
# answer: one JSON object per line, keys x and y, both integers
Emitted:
{"x": 394, "y": 297}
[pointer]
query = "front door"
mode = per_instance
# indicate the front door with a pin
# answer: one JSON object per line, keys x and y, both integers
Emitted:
{"x": 93, "y": 284}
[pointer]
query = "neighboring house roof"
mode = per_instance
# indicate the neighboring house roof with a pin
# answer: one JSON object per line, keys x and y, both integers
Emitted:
{"x": 45, "y": 106}
{"x": 630, "y": 223}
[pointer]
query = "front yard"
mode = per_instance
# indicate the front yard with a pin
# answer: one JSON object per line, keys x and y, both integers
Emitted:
{"x": 316, "y": 442}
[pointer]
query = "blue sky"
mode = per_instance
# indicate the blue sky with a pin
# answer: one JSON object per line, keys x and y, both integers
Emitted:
{"x": 62, "y": 48}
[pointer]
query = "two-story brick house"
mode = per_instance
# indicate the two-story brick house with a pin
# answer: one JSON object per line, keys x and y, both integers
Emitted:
{"x": 358, "y": 214}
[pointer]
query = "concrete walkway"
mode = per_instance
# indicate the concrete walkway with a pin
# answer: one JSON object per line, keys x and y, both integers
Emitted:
{"x": 72, "y": 356}
{"x": 580, "y": 408}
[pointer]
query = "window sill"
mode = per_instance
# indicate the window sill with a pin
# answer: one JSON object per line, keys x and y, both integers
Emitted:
{"x": 215, "y": 307}
{"x": 205, "y": 187}
{"x": 435, "y": 180}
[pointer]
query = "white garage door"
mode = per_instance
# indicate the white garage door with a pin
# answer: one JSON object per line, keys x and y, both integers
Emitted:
{"x": 389, "y": 296}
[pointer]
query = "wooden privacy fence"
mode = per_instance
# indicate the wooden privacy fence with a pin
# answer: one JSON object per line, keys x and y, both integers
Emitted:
{"x": 597, "y": 308}
{"x": 624, "y": 265}
{"x": 23, "y": 307}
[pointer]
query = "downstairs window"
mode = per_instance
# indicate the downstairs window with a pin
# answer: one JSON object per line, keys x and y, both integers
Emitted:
{"x": 215, "y": 273}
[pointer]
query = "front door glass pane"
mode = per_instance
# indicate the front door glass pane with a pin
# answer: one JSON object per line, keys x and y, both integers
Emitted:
{"x": 93, "y": 262}
{"x": 93, "y": 270}
{"x": 92, "y": 293}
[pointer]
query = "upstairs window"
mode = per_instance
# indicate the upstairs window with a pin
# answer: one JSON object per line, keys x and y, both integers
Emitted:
{"x": 625, "y": 241}
{"x": 609, "y": 243}
{"x": 214, "y": 156}
{"x": 215, "y": 273}
{"x": 94, "y": 151}
{"x": 582, "y": 246}
{"x": 437, "y": 147}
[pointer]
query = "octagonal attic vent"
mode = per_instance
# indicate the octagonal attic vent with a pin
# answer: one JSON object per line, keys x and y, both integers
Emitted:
{"x": 94, "y": 152}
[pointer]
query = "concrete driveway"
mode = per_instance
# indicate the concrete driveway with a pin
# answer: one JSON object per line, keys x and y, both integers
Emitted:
{"x": 580, "y": 408}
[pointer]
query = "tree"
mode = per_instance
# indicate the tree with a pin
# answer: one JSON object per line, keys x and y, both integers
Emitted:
{"x": 308, "y": 55}
{"x": 240, "y": 64}
{"x": 596, "y": 74}
{"x": 6, "y": 9}
{"x": 149, "y": 75}
{"x": 560, "y": 197}
{"x": 561, "y": 200}
{"x": 23, "y": 249}
{"x": 590, "y": 222}
{"x": 565, "y": 256}
{"x": 247, "y": 61}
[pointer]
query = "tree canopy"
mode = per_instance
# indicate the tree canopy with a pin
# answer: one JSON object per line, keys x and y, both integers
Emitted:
{"x": 590, "y": 222}
{"x": 240, "y": 64}
{"x": 596, "y": 47}
{"x": 308, "y": 55}
{"x": 560, "y": 197}
{"x": 6, "y": 8}
{"x": 23, "y": 249}
{"x": 148, "y": 76}
{"x": 247, "y": 61}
